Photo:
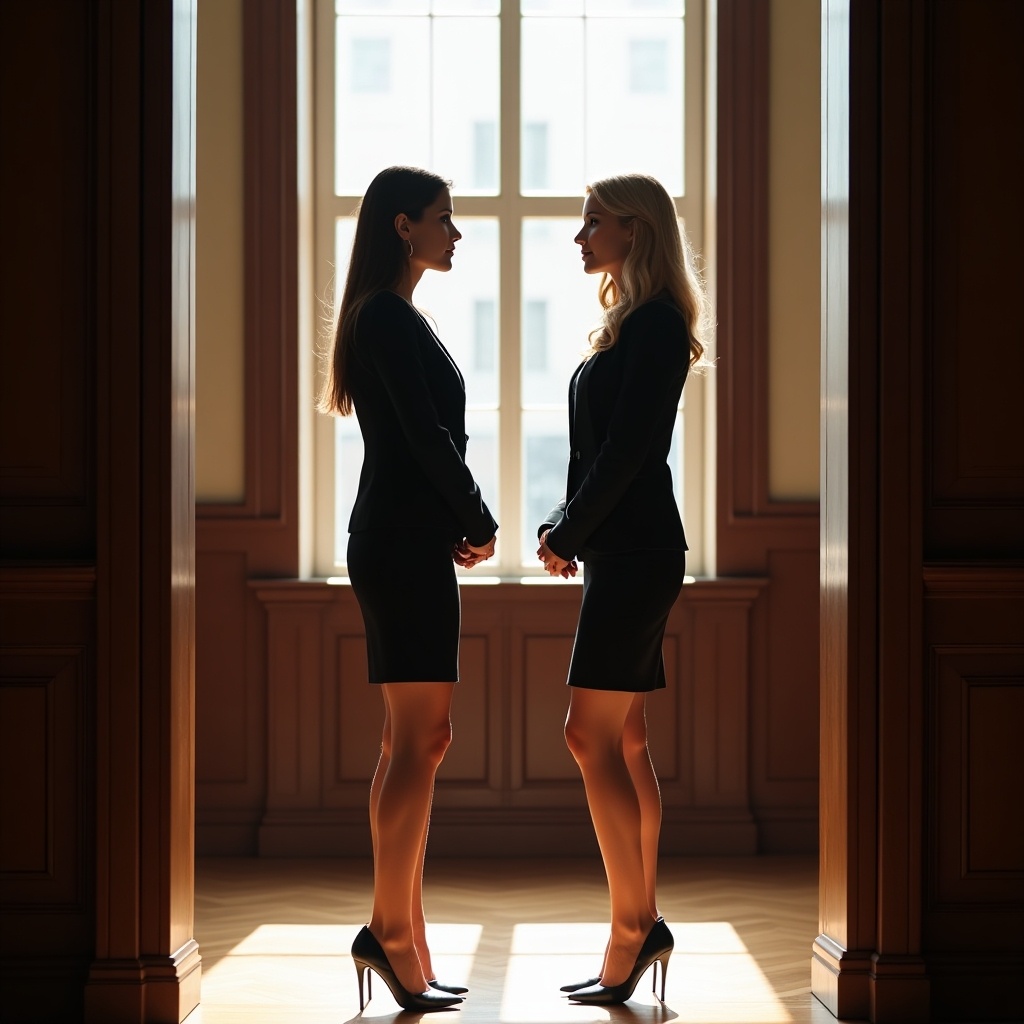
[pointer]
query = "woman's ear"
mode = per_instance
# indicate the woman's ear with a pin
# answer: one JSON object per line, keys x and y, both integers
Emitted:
{"x": 402, "y": 225}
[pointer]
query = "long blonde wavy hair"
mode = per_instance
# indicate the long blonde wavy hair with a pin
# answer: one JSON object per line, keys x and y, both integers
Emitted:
{"x": 660, "y": 260}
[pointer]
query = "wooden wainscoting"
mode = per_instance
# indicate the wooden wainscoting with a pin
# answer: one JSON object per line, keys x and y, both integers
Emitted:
{"x": 508, "y": 785}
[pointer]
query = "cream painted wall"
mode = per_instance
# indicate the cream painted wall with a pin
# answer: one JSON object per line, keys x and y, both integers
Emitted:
{"x": 220, "y": 355}
{"x": 794, "y": 270}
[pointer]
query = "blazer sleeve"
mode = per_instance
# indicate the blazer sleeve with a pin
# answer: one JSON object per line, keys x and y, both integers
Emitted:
{"x": 394, "y": 353}
{"x": 655, "y": 360}
{"x": 552, "y": 519}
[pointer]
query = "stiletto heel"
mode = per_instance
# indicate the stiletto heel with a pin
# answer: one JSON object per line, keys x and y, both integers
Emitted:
{"x": 360, "y": 971}
{"x": 368, "y": 954}
{"x": 657, "y": 948}
{"x": 664, "y": 970}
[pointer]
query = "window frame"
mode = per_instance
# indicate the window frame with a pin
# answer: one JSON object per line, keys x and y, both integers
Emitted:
{"x": 510, "y": 208}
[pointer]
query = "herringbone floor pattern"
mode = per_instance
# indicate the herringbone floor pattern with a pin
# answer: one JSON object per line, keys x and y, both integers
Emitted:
{"x": 275, "y": 937}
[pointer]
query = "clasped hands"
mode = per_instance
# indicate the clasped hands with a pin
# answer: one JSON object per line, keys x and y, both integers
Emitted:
{"x": 555, "y": 565}
{"x": 467, "y": 555}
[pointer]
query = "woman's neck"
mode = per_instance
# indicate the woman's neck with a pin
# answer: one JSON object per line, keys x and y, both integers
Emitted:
{"x": 407, "y": 283}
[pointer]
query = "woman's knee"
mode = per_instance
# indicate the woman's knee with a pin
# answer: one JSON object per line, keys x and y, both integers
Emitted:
{"x": 583, "y": 741}
{"x": 430, "y": 742}
{"x": 634, "y": 743}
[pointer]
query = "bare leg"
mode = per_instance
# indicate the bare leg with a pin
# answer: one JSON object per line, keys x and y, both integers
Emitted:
{"x": 419, "y": 924}
{"x": 419, "y": 920}
{"x": 645, "y": 782}
{"x": 594, "y": 732}
{"x": 420, "y": 730}
{"x": 382, "y": 770}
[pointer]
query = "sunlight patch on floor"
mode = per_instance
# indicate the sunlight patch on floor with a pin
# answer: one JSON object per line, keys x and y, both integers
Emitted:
{"x": 711, "y": 977}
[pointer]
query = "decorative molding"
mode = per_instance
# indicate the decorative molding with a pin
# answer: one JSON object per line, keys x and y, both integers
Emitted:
{"x": 508, "y": 770}
{"x": 270, "y": 115}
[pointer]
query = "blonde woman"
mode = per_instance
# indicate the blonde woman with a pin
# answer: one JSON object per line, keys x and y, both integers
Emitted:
{"x": 621, "y": 519}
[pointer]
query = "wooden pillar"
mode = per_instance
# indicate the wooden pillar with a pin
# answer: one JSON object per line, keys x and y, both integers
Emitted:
{"x": 146, "y": 964}
{"x": 922, "y": 587}
{"x": 867, "y": 959}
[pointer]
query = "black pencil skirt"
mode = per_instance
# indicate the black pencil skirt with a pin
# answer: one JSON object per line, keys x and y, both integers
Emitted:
{"x": 409, "y": 596}
{"x": 626, "y": 602}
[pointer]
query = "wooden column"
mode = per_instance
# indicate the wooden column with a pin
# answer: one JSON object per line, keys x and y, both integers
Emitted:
{"x": 922, "y": 655}
{"x": 146, "y": 964}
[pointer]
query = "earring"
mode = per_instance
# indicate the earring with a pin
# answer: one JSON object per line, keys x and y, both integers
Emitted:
{"x": 408, "y": 243}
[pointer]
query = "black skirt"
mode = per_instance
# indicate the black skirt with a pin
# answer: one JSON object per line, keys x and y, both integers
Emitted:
{"x": 627, "y": 598}
{"x": 407, "y": 590}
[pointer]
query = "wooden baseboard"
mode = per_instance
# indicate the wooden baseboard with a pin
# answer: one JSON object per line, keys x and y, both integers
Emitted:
{"x": 156, "y": 989}
{"x": 505, "y": 832}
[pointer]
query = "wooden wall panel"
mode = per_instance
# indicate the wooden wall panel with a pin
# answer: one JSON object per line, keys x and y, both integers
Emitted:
{"x": 974, "y": 879}
{"x": 42, "y": 705}
{"x": 468, "y": 763}
{"x": 975, "y": 210}
{"x": 508, "y": 783}
{"x": 47, "y": 804}
{"x": 977, "y": 776}
{"x": 359, "y": 718}
{"x": 667, "y": 727}
{"x": 47, "y": 407}
{"x": 545, "y": 701}
{"x": 922, "y": 900}
{"x": 224, "y": 691}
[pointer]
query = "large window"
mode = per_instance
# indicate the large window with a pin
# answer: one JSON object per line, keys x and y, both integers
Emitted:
{"x": 520, "y": 104}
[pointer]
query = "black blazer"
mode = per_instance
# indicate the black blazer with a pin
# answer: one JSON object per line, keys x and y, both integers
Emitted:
{"x": 622, "y": 408}
{"x": 410, "y": 400}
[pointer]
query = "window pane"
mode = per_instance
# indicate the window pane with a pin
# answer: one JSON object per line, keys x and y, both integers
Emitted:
{"x": 390, "y": 122}
{"x": 417, "y": 6}
{"x": 559, "y": 308}
{"x": 466, "y": 83}
{"x": 392, "y": 74}
{"x": 482, "y": 459}
{"x": 551, "y": 7}
{"x": 382, "y": 6}
{"x": 620, "y": 8}
{"x": 545, "y": 459}
{"x": 552, "y": 132}
{"x": 466, "y": 7}
{"x": 634, "y": 112}
{"x": 618, "y": 106}
{"x": 348, "y": 460}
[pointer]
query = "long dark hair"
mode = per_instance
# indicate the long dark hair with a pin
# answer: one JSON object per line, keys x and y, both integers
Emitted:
{"x": 378, "y": 262}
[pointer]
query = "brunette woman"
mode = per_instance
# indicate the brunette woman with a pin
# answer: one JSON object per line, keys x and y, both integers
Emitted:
{"x": 621, "y": 519}
{"x": 418, "y": 512}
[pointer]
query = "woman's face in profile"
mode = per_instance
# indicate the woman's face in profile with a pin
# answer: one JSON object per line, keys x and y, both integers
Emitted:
{"x": 434, "y": 236}
{"x": 604, "y": 240}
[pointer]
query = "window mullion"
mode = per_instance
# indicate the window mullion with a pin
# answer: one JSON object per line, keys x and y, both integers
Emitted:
{"x": 510, "y": 298}
{"x": 325, "y": 61}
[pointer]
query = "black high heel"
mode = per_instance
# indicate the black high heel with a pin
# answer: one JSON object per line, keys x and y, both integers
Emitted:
{"x": 367, "y": 953}
{"x": 657, "y": 948}
{"x": 455, "y": 990}
{"x": 576, "y": 986}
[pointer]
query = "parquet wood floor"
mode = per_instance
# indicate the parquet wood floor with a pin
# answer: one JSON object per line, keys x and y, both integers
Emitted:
{"x": 275, "y": 936}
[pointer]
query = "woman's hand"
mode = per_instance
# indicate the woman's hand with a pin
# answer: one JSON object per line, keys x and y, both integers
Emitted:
{"x": 554, "y": 564}
{"x": 467, "y": 555}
